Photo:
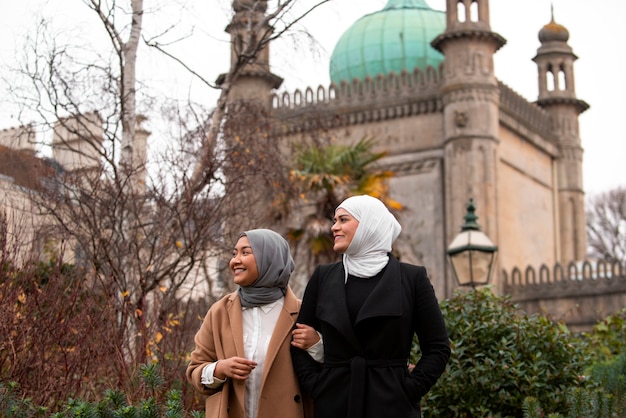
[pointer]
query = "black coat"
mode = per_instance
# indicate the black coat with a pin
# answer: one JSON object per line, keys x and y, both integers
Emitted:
{"x": 365, "y": 371}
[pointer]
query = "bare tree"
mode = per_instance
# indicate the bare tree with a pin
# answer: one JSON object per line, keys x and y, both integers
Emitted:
{"x": 263, "y": 26}
{"x": 606, "y": 225}
{"x": 245, "y": 127}
{"x": 150, "y": 232}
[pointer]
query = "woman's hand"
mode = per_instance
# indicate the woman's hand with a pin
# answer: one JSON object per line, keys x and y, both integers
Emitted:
{"x": 236, "y": 368}
{"x": 304, "y": 336}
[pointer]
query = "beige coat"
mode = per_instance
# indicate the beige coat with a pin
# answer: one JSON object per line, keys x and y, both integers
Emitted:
{"x": 221, "y": 337}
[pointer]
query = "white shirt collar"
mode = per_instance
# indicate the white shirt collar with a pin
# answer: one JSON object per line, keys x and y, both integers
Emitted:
{"x": 265, "y": 308}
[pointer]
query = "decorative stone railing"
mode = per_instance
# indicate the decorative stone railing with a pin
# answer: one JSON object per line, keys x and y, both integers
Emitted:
{"x": 582, "y": 278}
{"x": 524, "y": 112}
{"x": 381, "y": 87}
{"x": 391, "y": 96}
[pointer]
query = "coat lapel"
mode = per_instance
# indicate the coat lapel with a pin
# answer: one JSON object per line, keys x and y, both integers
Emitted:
{"x": 332, "y": 306}
{"x": 386, "y": 296}
{"x": 236, "y": 323}
{"x": 282, "y": 331}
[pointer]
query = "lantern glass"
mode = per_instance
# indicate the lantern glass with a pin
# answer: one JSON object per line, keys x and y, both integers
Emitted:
{"x": 472, "y": 255}
{"x": 472, "y": 267}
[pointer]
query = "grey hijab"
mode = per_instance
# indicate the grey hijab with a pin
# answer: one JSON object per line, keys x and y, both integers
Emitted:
{"x": 274, "y": 262}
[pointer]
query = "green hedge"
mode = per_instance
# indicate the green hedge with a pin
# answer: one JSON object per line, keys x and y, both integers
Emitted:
{"x": 500, "y": 357}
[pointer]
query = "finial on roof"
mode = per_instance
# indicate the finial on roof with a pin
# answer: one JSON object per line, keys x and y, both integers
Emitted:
{"x": 553, "y": 31}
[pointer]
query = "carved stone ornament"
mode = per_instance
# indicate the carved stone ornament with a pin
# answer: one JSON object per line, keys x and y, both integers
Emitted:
{"x": 460, "y": 119}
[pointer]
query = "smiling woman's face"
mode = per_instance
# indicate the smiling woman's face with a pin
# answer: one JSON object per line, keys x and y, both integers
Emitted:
{"x": 343, "y": 230}
{"x": 243, "y": 263}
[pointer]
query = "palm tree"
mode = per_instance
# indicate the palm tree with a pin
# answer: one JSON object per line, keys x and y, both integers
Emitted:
{"x": 324, "y": 177}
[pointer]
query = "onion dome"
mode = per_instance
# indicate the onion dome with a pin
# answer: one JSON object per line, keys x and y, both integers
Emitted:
{"x": 395, "y": 38}
{"x": 553, "y": 32}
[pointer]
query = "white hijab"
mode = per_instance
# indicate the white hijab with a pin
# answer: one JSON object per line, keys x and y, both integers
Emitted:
{"x": 367, "y": 254}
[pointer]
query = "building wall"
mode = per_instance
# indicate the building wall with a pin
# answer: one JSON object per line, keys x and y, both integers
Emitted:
{"x": 523, "y": 182}
{"x": 77, "y": 141}
{"x": 526, "y": 196}
{"x": 415, "y": 156}
{"x": 19, "y": 138}
{"x": 25, "y": 228}
{"x": 423, "y": 220}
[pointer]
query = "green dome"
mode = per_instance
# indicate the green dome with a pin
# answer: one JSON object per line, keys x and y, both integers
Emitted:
{"x": 395, "y": 38}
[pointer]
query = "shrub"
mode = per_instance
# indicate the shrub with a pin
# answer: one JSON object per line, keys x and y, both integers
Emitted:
{"x": 54, "y": 333}
{"x": 154, "y": 403}
{"x": 587, "y": 402}
{"x": 500, "y": 357}
{"x": 608, "y": 337}
{"x": 57, "y": 340}
{"x": 14, "y": 405}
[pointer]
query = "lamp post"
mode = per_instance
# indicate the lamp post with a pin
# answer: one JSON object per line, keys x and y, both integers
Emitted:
{"x": 471, "y": 253}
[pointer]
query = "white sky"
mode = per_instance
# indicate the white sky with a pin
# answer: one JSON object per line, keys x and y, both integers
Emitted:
{"x": 596, "y": 31}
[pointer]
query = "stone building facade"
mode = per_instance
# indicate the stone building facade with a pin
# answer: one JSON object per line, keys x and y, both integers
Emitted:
{"x": 423, "y": 85}
{"x": 421, "y": 82}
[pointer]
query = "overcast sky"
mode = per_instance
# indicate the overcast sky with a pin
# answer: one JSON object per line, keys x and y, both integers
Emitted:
{"x": 596, "y": 36}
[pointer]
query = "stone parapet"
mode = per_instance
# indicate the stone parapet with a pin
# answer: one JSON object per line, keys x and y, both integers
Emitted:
{"x": 361, "y": 101}
{"x": 579, "y": 294}
{"x": 529, "y": 114}
{"x": 363, "y": 92}
{"x": 545, "y": 281}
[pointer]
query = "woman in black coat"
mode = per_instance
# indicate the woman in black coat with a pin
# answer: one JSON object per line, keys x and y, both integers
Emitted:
{"x": 367, "y": 309}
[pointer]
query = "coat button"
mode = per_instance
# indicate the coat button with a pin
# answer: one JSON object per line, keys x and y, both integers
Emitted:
{"x": 297, "y": 398}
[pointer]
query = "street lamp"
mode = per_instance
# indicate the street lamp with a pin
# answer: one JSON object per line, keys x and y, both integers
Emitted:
{"x": 471, "y": 253}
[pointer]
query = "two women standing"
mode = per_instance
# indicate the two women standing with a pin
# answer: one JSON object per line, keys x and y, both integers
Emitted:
{"x": 366, "y": 308}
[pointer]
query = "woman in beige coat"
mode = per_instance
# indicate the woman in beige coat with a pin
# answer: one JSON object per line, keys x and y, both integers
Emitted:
{"x": 242, "y": 359}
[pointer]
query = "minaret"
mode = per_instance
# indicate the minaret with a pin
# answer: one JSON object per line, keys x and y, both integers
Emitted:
{"x": 555, "y": 63}
{"x": 246, "y": 125}
{"x": 254, "y": 81}
{"x": 470, "y": 95}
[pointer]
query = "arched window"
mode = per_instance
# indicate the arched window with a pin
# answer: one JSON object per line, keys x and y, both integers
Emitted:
{"x": 460, "y": 11}
{"x": 473, "y": 11}
{"x": 467, "y": 11}
{"x": 562, "y": 80}
{"x": 551, "y": 82}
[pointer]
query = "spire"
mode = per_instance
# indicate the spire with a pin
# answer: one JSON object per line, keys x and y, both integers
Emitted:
{"x": 552, "y": 31}
{"x": 555, "y": 62}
